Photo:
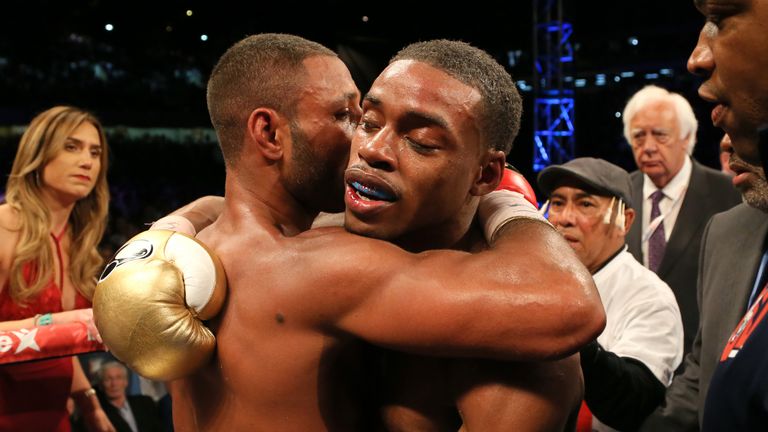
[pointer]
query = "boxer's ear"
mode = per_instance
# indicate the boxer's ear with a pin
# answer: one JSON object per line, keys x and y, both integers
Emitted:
{"x": 264, "y": 131}
{"x": 489, "y": 174}
{"x": 629, "y": 217}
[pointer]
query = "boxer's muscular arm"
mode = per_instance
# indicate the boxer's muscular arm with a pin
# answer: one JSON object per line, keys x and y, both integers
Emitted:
{"x": 200, "y": 213}
{"x": 526, "y": 298}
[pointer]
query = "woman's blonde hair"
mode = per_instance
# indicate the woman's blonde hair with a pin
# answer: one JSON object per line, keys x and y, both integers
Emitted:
{"x": 42, "y": 141}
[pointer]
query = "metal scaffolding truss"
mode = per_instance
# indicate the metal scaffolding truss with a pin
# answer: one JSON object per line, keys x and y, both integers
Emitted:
{"x": 553, "y": 136}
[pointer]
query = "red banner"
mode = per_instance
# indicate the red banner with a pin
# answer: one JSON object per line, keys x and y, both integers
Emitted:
{"x": 49, "y": 341}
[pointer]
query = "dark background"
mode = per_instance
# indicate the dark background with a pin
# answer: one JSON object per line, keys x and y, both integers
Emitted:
{"x": 150, "y": 71}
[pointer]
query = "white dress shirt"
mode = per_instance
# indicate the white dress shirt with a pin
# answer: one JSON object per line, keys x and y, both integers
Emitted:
{"x": 642, "y": 318}
{"x": 127, "y": 414}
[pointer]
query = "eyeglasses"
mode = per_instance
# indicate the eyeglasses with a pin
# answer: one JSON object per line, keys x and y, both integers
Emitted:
{"x": 661, "y": 136}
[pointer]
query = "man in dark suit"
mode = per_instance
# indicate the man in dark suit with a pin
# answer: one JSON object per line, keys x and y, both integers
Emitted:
{"x": 733, "y": 270}
{"x": 127, "y": 413}
{"x": 725, "y": 379}
{"x": 676, "y": 195}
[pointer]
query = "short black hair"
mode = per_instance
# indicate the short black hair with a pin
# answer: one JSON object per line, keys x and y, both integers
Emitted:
{"x": 263, "y": 70}
{"x": 501, "y": 106}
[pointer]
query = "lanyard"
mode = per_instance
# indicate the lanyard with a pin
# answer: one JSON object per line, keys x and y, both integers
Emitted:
{"x": 654, "y": 224}
{"x": 759, "y": 279}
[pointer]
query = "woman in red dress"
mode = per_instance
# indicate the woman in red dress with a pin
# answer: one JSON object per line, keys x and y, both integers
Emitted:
{"x": 50, "y": 225}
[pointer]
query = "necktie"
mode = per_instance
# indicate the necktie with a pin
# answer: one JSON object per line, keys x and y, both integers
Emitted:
{"x": 657, "y": 243}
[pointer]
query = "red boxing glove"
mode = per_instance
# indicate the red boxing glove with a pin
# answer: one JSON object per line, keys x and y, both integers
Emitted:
{"x": 514, "y": 181}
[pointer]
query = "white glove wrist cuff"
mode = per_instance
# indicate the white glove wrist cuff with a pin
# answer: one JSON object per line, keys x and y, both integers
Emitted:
{"x": 501, "y": 207}
{"x": 175, "y": 223}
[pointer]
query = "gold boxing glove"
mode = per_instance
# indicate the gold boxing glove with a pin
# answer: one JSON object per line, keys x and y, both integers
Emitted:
{"x": 151, "y": 299}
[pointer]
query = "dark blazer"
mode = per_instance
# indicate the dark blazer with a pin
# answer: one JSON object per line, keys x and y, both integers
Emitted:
{"x": 144, "y": 411}
{"x": 708, "y": 192}
{"x": 733, "y": 244}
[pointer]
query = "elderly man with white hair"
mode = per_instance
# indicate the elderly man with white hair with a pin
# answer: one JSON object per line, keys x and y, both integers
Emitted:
{"x": 128, "y": 413}
{"x": 675, "y": 195}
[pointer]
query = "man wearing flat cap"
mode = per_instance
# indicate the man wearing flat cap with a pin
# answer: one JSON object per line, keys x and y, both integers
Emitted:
{"x": 632, "y": 362}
